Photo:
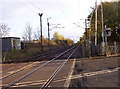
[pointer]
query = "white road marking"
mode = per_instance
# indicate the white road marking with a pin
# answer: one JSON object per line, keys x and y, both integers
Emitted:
{"x": 70, "y": 77}
{"x": 95, "y": 73}
{"x": 12, "y": 72}
{"x": 67, "y": 83}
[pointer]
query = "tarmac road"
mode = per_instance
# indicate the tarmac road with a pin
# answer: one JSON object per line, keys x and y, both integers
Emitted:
{"x": 105, "y": 79}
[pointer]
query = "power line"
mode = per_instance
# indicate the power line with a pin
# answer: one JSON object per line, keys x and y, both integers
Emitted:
{"x": 28, "y": 7}
{"x": 61, "y": 9}
{"x": 37, "y": 7}
{"x": 78, "y": 7}
{"x": 31, "y": 2}
{"x": 65, "y": 11}
{"x": 40, "y": 9}
{"x": 77, "y": 24}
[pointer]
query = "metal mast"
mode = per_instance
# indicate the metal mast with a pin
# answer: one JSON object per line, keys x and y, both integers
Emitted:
{"x": 96, "y": 23}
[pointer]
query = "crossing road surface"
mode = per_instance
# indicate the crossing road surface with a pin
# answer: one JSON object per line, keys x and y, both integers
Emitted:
{"x": 96, "y": 73}
{"x": 66, "y": 69}
{"x": 39, "y": 71}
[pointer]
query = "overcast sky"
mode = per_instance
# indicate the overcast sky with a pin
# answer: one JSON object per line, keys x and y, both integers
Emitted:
{"x": 18, "y": 13}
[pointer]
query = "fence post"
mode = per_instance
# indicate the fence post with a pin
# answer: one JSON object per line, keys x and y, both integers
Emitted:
{"x": 103, "y": 48}
{"x": 116, "y": 48}
{"x": 83, "y": 49}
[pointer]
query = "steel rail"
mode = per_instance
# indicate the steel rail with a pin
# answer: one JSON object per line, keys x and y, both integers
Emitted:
{"x": 45, "y": 85}
{"x": 21, "y": 69}
{"x": 43, "y": 54}
{"x": 88, "y": 74}
{"x": 21, "y": 78}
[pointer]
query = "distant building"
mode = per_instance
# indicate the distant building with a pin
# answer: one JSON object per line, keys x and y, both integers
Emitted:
{"x": 10, "y": 43}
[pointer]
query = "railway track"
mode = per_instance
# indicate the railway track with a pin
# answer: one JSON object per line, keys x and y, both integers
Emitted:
{"x": 17, "y": 68}
{"x": 89, "y": 74}
{"x": 56, "y": 72}
{"x": 24, "y": 74}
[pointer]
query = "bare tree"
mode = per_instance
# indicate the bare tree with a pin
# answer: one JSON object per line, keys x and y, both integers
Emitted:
{"x": 37, "y": 34}
{"x": 4, "y": 30}
{"x": 28, "y": 33}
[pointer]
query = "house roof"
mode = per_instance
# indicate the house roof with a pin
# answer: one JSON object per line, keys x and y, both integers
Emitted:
{"x": 9, "y": 37}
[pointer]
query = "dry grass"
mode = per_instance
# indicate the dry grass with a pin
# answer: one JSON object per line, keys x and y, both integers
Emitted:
{"x": 25, "y": 53}
{"x": 20, "y": 54}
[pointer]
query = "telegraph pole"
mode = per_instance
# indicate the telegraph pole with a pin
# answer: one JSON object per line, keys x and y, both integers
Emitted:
{"x": 96, "y": 23}
{"x": 102, "y": 23}
{"x": 86, "y": 28}
{"x": 103, "y": 31}
{"x": 48, "y": 33}
{"x": 40, "y": 14}
{"x": 87, "y": 37}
